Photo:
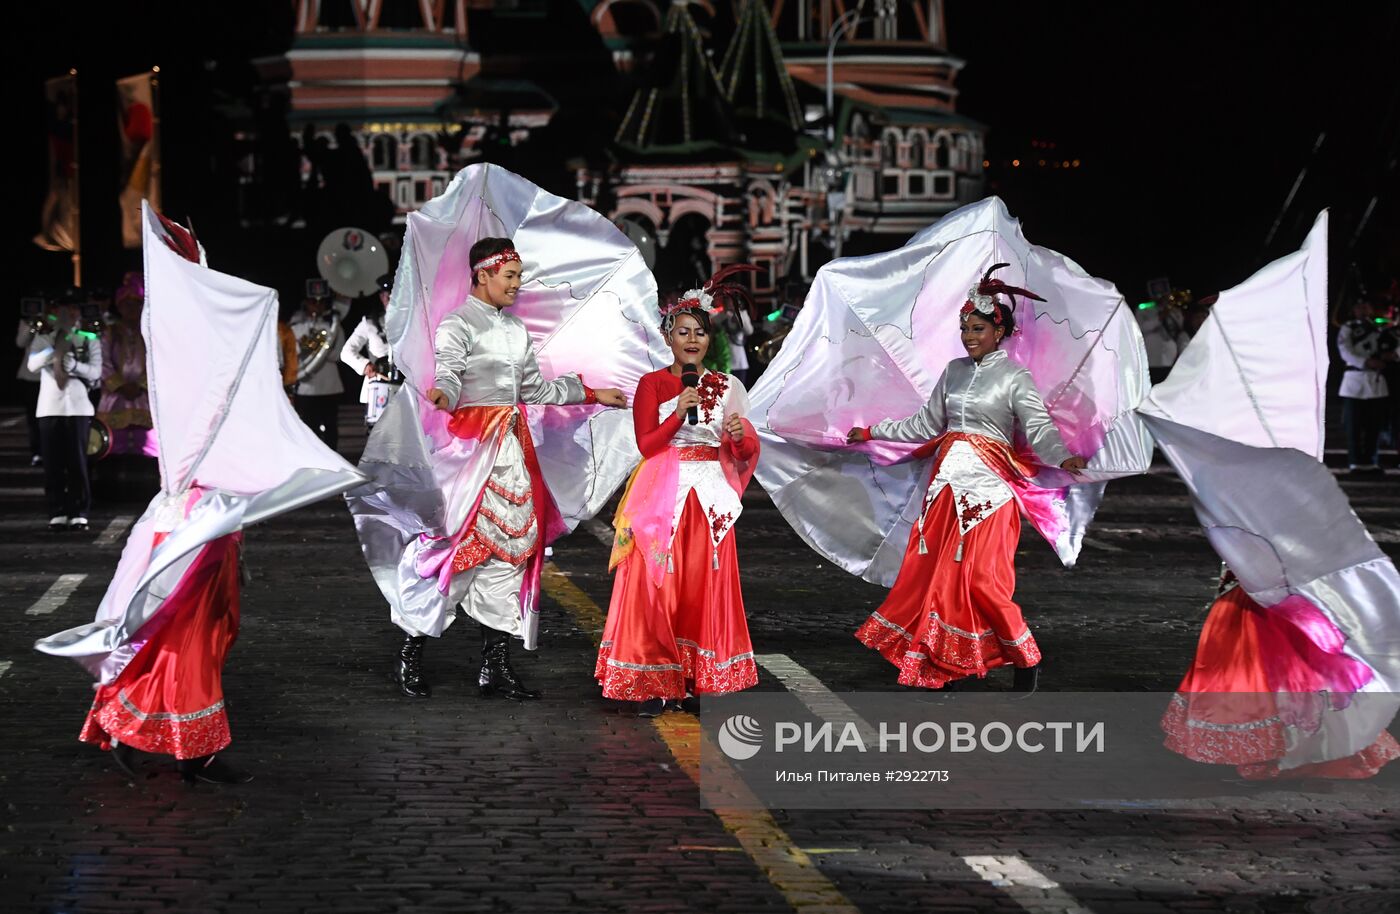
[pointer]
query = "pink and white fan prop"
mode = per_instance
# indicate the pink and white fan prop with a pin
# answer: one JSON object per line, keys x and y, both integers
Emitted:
{"x": 872, "y": 340}
{"x": 1241, "y": 419}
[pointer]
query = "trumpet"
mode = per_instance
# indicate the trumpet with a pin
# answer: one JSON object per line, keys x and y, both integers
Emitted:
{"x": 34, "y": 313}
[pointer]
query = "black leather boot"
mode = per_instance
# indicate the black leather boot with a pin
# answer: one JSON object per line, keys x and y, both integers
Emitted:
{"x": 124, "y": 757}
{"x": 409, "y": 672}
{"x": 497, "y": 677}
{"x": 1026, "y": 680}
{"x": 212, "y": 770}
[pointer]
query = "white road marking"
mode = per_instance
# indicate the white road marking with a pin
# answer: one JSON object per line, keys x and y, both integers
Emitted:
{"x": 56, "y": 595}
{"x": 1027, "y": 886}
{"x": 813, "y": 693}
{"x": 114, "y": 531}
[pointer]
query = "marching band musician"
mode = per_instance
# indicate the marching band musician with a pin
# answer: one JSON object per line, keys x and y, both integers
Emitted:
{"x": 1367, "y": 348}
{"x": 125, "y": 405}
{"x": 367, "y": 352}
{"x": 68, "y": 360}
{"x": 28, "y": 381}
{"x": 318, "y": 386}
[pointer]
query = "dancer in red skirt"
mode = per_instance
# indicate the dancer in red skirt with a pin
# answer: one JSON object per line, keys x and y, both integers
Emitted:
{"x": 676, "y": 625}
{"x": 231, "y": 453}
{"x": 169, "y": 700}
{"x": 1258, "y": 673}
{"x": 950, "y": 613}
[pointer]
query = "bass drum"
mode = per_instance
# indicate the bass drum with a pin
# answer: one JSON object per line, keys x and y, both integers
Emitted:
{"x": 99, "y": 443}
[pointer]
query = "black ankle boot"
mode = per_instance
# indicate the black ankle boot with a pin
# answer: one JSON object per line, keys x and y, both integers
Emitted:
{"x": 212, "y": 770}
{"x": 1026, "y": 680}
{"x": 124, "y": 757}
{"x": 497, "y": 677}
{"x": 409, "y": 672}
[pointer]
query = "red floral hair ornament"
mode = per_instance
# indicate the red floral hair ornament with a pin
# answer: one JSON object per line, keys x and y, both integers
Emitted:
{"x": 982, "y": 297}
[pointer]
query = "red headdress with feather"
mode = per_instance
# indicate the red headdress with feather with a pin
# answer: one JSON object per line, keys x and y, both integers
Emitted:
{"x": 179, "y": 239}
{"x": 717, "y": 291}
{"x": 982, "y": 297}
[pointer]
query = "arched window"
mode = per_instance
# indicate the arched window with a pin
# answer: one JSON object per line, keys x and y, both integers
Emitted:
{"x": 421, "y": 151}
{"x": 942, "y": 152}
{"x": 890, "y": 151}
{"x": 384, "y": 153}
{"x": 918, "y": 146}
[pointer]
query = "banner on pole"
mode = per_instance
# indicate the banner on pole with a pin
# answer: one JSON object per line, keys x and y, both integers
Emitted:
{"x": 58, "y": 221}
{"x": 139, "y": 134}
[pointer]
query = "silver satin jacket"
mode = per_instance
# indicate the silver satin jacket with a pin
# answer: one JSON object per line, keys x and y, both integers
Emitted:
{"x": 982, "y": 398}
{"x": 485, "y": 358}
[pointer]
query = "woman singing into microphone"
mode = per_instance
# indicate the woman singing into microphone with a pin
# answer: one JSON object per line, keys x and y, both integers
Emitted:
{"x": 676, "y": 624}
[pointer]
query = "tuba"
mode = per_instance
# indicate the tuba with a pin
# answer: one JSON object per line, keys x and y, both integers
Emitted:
{"x": 351, "y": 260}
{"x": 314, "y": 348}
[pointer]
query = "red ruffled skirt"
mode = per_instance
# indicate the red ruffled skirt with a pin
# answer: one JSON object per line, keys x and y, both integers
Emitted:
{"x": 946, "y": 619}
{"x": 170, "y": 698}
{"x": 1225, "y": 711}
{"x": 689, "y": 633}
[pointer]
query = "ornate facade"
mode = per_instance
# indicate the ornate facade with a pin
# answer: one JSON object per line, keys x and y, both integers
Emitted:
{"x": 721, "y": 149}
{"x": 893, "y": 158}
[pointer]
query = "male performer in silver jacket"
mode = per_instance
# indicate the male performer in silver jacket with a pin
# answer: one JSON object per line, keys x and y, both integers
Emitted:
{"x": 486, "y": 368}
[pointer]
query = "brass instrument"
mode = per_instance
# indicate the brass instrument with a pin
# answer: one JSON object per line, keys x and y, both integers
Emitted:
{"x": 34, "y": 312}
{"x": 314, "y": 348}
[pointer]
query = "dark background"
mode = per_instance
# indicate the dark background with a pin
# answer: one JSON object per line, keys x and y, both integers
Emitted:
{"x": 1191, "y": 120}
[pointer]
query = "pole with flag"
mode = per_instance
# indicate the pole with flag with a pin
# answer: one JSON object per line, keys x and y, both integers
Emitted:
{"x": 59, "y": 220}
{"x": 138, "y": 135}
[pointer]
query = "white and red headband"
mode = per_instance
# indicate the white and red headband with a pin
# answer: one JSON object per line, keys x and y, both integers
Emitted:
{"x": 496, "y": 261}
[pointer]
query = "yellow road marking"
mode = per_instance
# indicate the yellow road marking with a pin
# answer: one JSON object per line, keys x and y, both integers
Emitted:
{"x": 789, "y": 868}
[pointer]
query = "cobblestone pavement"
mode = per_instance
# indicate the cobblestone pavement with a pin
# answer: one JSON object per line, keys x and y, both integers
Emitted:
{"x": 364, "y": 801}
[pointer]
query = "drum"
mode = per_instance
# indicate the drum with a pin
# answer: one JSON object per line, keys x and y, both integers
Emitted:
{"x": 378, "y": 394}
{"x": 99, "y": 443}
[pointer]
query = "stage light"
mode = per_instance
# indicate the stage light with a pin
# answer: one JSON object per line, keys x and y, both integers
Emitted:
{"x": 1146, "y": 305}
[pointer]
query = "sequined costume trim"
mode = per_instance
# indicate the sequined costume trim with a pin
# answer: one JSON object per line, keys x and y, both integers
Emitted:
{"x": 953, "y": 653}
{"x": 699, "y": 668}
{"x": 184, "y": 736}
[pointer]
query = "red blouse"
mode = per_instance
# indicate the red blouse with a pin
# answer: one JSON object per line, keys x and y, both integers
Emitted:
{"x": 653, "y": 435}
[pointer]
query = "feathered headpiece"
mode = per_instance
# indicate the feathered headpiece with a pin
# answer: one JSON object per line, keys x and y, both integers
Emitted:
{"x": 718, "y": 288}
{"x": 179, "y": 239}
{"x": 982, "y": 297}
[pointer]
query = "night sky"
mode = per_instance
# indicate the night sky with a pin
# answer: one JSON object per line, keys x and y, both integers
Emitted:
{"x": 1191, "y": 121}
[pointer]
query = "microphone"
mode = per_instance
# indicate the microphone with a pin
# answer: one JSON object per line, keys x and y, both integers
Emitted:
{"x": 690, "y": 377}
